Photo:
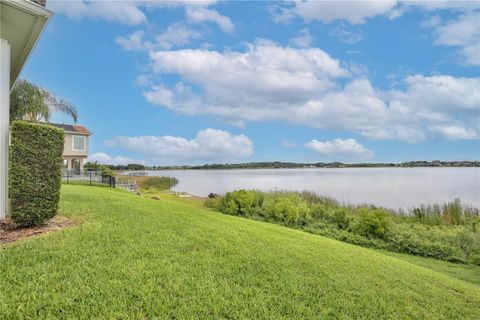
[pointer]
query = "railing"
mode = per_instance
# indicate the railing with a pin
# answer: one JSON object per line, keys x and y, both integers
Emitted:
{"x": 87, "y": 177}
{"x": 135, "y": 173}
{"x": 98, "y": 178}
{"x": 129, "y": 185}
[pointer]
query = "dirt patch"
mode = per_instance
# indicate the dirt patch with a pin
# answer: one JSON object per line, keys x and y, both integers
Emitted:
{"x": 10, "y": 233}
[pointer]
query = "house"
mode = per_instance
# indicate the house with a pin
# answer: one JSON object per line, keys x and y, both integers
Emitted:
{"x": 21, "y": 24}
{"x": 75, "y": 150}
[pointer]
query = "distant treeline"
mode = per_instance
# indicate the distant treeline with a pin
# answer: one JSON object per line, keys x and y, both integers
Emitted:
{"x": 279, "y": 164}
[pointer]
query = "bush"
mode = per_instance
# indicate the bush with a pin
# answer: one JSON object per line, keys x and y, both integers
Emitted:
{"x": 35, "y": 172}
{"x": 159, "y": 183}
{"x": 449, "y": 232}
{"x": 287, "y": 208}
{"x": 372, "y": 223}
{"x": 241, "y": 203}
{"x": 95, "y": 166}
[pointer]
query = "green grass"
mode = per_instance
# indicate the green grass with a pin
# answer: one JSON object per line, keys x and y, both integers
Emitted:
{"x": 135, "y": 258}
{"x": 85, "y": 183}
{"x": 466, "y": 272}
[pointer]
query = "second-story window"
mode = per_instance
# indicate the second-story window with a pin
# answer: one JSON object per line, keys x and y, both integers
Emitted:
{"x": 78, "y": 143}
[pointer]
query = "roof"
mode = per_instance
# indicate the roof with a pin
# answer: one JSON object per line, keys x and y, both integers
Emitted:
{"x": 72, "y": 128}
{"x": 21, "y": 23}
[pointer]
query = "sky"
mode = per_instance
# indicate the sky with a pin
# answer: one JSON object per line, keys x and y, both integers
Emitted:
{"x": 194, "y": 82}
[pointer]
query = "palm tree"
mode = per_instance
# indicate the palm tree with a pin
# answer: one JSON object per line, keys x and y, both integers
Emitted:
{"x": 30, "y": 102}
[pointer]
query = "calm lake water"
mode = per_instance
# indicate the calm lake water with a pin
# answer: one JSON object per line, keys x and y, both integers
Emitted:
{"x": 388, "y": 187}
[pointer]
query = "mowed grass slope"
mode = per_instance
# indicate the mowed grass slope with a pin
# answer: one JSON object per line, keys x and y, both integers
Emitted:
{"x": 136, "y": 258}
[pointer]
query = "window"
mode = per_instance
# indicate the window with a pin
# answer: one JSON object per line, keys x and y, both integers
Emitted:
{"x": 78, "y": 143}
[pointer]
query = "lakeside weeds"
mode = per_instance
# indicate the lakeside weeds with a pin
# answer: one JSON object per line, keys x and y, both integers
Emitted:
{"x": 447, "y": 232}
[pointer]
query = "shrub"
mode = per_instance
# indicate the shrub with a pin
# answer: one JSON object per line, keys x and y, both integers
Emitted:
{"x": 241, "y": 202}
{"x": 425, "y": 231}
{"x": 35, "y": 172}
{"x": 214, "y": 202}
{"x": 95, "y": 166}
{"x": 372, "y": 223}
{"x": 160, "y": 183}
{"x": 288, "y": 208}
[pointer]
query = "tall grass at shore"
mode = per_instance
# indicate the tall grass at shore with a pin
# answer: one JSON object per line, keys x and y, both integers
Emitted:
{"x": 447, "y": 232}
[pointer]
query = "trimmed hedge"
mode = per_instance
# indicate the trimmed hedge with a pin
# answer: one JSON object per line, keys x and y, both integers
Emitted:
{"x": 36, "y": 155}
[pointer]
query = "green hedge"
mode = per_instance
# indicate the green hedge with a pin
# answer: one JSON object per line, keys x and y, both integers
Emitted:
{"x": 35, "y": 172}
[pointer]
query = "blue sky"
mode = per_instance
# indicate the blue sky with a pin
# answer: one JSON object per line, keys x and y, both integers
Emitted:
{"x": 178, "y": 82}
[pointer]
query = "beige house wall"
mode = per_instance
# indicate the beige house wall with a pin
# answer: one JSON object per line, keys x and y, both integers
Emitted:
{"x": 69, "y": 154}
{"x": 68, "y": 148}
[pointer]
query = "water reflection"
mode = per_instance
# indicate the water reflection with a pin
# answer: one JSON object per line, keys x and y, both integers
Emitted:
{"x": 388, "y": 187}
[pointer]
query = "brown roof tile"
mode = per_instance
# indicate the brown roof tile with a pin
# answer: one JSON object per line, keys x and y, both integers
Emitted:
{"x": 72, "y": 128}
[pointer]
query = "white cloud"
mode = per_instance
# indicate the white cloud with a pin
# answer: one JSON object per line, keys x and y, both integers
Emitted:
{"x": 103, "y": 158}
{"x": 464, "y": 33}
{"x": 345, "y": 35}
{"x": 457, "y": 5}
{"x": 358, "y": 12}
{"x": 338, "y": 148}
{"x": 303, "y": 39}
{"x": 306, "y": 86}
{"x": 209, "y": 144}
{"x": 112, "y": 11}
{"x": 201, "y": 14}
{"x": 455, "y": 132}
{"x": 355, "y": 12}
{"x": 176, "y": 35}
{"x": 132, "y": 12}
{"x": 134, "y": 42}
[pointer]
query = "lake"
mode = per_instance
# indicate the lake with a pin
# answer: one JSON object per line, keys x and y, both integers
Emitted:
{"x": 388, "y": 187}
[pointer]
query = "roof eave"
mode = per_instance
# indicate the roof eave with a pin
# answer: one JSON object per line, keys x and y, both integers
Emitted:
{"x": 43, "y": 17}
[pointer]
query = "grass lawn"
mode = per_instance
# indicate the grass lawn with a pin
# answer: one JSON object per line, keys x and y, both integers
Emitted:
{"x": 138, "y": 258}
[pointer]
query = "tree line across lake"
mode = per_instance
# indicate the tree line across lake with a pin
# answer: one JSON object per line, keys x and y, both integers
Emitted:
{"x": 286, "y": 165}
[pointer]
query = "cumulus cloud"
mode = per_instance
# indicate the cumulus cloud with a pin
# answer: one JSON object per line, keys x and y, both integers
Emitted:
{"x": 209, "y": 144}
{"x": 341, "y": 149}
{"x": 201, "y": 14}
{"x": 455, "y": 132}
{"x": 103, "y": 158}
{"x": 358, "y": 12}
{"x": 344, "y": 35}
{"x": 355, "y": 12}
{"x": 176, "y": 35}
{"x": 134, "y": 42}
{"x": 132, "y": 12}
{"x": 112, "y": 11}
{"x": 463, "y": 33}
{"x": 303, "y": 40}
{"x": 267, "y": 82}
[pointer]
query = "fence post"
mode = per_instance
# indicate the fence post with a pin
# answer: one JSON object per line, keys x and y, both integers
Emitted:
{"x": 90, "y": 174}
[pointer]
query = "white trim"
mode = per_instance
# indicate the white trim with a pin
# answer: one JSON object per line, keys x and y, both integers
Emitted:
{"x": 31, "y": 7}
{"x": 4, "y": 124}
{"x": 43, "y": 17}
{"x": 84, "y": 143}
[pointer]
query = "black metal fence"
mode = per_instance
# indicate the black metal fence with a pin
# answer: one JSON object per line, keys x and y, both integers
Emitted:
{"x": 88, "y": 178}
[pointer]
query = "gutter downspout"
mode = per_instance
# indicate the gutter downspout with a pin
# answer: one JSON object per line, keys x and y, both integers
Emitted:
{"x": 4, "y": 124}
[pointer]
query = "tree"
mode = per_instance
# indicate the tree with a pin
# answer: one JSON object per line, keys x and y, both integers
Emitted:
{"x": 32, "y": 103}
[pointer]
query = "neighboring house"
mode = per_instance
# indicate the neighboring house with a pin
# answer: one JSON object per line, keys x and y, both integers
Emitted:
{"x": 75, "y": 150}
